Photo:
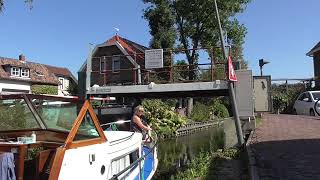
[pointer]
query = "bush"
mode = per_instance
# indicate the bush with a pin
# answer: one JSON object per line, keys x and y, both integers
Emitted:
{"x": 200, "y": 112}
{"x": 219, "y": 109}
{"x": 203, "y": 112}
{"x": 162, "y": 119}
{"x": 280, "y": 95}
{"x": 44, "y": 89}
{"x": 279, "y": 102}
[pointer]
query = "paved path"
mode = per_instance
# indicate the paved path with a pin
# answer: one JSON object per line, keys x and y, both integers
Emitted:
{"x": 287, "y": 147}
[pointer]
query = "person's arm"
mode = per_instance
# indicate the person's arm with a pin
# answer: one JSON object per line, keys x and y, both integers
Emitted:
{"x": 137, "y": 120}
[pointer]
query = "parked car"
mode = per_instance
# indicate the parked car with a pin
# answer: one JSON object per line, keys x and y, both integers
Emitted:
{"x": 306, "y": 103}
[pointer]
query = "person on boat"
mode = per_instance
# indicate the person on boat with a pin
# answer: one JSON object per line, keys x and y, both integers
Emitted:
{"x": 137, "y": 123}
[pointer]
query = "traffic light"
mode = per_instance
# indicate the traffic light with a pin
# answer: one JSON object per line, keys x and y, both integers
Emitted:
{"x": 261, "y": 63}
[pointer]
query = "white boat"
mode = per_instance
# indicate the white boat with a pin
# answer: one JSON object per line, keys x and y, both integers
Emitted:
{"x": 70, "y": 143}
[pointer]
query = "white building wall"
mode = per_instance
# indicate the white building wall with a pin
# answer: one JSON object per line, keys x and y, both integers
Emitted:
{"x": 14, "y": 85}
{"x": 63, "y": 91}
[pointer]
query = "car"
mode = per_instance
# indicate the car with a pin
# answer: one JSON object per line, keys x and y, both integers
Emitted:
{"x": 307, "y": 104}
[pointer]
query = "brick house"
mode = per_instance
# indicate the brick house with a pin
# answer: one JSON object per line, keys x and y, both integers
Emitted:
{"x": 19, "y": 75}
{"x": 118, "y": 61}
{"x": 315, "y": 53}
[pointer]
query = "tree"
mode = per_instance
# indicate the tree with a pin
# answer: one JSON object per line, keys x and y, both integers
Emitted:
{"x": 190, "y": 24}
{"x": 29, "y": 2}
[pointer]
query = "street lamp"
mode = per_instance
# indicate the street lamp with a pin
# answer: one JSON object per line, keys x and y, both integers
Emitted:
{"x": 261, "y": 63}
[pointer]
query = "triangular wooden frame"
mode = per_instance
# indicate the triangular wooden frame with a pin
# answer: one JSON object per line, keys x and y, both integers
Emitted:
{"x": 70, "y": 143}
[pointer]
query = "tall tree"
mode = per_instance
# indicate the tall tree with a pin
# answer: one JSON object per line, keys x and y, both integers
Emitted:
{"x": 191, "y": 24}
{"x": 29, "y": 2}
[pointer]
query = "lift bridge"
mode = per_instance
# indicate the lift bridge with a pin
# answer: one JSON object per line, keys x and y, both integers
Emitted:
{"x": 170, "y": 81}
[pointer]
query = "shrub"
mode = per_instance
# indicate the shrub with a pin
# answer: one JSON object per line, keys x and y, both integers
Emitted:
{"x": 203, "y": 112}
{"x": 280, "y": 94}
{"x": 162, "y": 119}
{"x": 44, "y": 89}
{"x": 219, "y": 109}
{"x": 279, "y": 102}
{"x": 200, "y": 112}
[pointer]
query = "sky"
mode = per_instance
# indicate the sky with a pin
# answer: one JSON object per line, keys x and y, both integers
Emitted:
{"x": 60, "y": 32}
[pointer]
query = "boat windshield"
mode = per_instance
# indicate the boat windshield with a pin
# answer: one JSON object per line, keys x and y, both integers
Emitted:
{"x": 316, "y": 95}
{"x": 60, "y": 115}
{"x": 16, "y": 115}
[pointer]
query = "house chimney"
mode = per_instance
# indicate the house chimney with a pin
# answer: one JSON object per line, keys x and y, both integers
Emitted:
{"x": 22, "y": 57}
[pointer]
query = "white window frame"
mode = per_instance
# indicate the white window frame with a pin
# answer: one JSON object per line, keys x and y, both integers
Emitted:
{"x": 114, "y": 60}
{"x": 25, "y": 72}
{"x": 61, "y": 83}
{"x": 15, "y": 71}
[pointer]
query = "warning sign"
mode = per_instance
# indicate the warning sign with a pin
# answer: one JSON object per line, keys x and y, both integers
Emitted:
{"x": 232, "y": 72}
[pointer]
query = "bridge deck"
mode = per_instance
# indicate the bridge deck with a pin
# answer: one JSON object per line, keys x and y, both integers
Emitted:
{"x": 214, "y": 88}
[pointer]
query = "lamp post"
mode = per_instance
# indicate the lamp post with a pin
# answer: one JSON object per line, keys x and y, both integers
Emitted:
{"x": 261, "y": 63}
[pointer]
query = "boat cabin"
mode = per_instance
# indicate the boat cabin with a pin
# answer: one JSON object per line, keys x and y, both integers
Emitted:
{"x": 50, "y": 137}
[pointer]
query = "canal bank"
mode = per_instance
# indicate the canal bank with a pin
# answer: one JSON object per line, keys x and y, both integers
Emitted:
{"x": 199, "y": 155}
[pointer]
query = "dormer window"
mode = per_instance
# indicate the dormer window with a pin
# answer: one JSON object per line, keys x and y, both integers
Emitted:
{"x": 15, "y": 71}
{"x": 20, "y": 72}
{"x": 24, "y": 72}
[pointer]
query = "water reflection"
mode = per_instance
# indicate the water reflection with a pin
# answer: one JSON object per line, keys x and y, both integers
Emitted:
{"x": 174, "y": 154}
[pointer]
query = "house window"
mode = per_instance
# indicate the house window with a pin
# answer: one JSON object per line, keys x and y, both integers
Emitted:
{"x": 15, "y": 71}
{"x": 24, "y": 72}
{"x": 115, "y": 63}
{"x": 61, "y": 83}
{"x": 103, "y": 66}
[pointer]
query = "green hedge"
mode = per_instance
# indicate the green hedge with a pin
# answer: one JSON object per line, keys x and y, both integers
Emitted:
{"x": 44, "y": 89}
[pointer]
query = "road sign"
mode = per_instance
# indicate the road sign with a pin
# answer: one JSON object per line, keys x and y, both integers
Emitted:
{"x": 232, "y": 73}
{"x": 154, "y": 58}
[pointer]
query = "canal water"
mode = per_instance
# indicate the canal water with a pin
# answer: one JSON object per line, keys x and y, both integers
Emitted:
{"x": 173, "y": 154}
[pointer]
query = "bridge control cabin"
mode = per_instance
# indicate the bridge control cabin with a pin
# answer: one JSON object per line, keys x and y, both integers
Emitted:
{"x": 117, "y": 68}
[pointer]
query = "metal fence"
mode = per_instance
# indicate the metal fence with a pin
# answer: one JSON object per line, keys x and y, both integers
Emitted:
{"x": 205, "y": 68}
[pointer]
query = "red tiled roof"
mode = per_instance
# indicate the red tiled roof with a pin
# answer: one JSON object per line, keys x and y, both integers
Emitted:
{"x": 130, "y": 46}
{"x": 61, "y": 71}
{"x": 39, "y": 73}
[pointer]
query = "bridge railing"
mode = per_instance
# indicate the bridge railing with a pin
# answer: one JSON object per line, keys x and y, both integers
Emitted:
{"x": 117, "y": 70}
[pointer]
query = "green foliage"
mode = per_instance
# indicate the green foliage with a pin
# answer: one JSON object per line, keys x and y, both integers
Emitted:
{"x": 190, "y": 24}
{"x": 15, "y": 115}
{"x": 12, "y": 117}
{"x": 44, "y": 89}
{"x": 202, "y": 166}
{"x": 200, "y": 112}
{"x": 95, "y": 104}
{"x": 162, "y": 118}
{"x": 29, "y": 2}
{"x": 198, "y": 167}
{"x": 72, "y": 88}
{"x": 204, "y": 112}
{"x": 284, "y": 98}
{"x": 180, "y": 70}
{"x": 219, "y": 109}
{"x": 279, "y": 102}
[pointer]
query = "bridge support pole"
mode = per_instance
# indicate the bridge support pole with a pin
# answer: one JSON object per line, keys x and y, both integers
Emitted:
{"x": 235, "y": 114}
{"x": 231, "y": 88}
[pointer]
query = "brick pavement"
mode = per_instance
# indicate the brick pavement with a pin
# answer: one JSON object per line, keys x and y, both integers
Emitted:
{"x": 287, "y": 147}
